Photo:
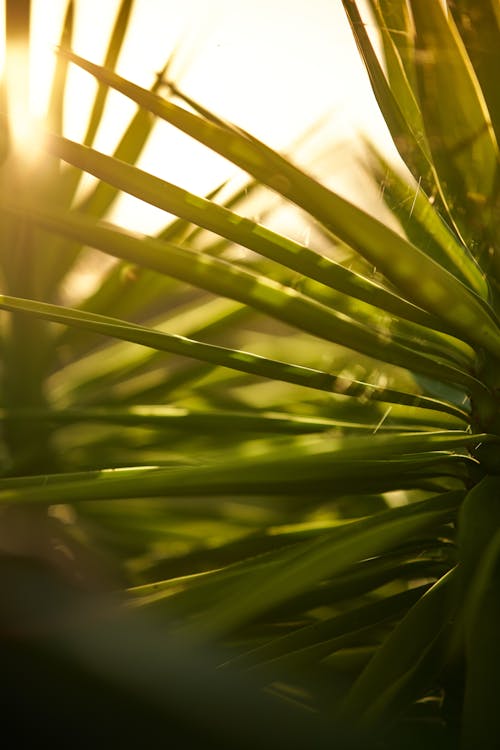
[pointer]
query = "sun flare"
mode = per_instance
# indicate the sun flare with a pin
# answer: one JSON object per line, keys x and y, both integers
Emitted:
{"x": 214, "y": 62}
{"x": 23, "y": 77}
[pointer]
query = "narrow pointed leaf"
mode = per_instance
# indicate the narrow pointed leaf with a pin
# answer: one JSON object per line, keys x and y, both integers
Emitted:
{"x": 56, "y": 104}
{"x": 403, "y": 649}
{"x": 261, "y": 293}
{"x": 114, "y": 48}
{"x": 400, "y": 261}
{"x": 479, "y": 27}
{"x": 315, "y": 561}
{"x": 244, "y": 361}
{"x": 427, "y": 230}
{"x": 400, "y": 110}
{"x": 457, "y": 121}
{"x": 397, "y": 23}
{"x": 230, "y": 225}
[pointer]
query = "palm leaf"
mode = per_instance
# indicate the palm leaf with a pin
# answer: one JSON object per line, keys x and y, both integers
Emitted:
{"x": 281, "y": 449}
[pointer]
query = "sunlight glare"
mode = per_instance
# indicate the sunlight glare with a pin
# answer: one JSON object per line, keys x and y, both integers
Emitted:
{"x": 25, "y": 127}
{"x": 24, "y": 122}
{"x": 270, "y": 66}
{"x": 2, "y": 38}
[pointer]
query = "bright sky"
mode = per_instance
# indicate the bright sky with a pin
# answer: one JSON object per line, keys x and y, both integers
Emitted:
{"x": 274, "y": 67}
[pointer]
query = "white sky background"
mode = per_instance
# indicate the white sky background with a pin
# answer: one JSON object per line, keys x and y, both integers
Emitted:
{"x": 274, "y": 67}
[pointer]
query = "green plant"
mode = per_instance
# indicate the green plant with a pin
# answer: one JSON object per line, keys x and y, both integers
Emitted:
{"x": 288, "y": 460}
